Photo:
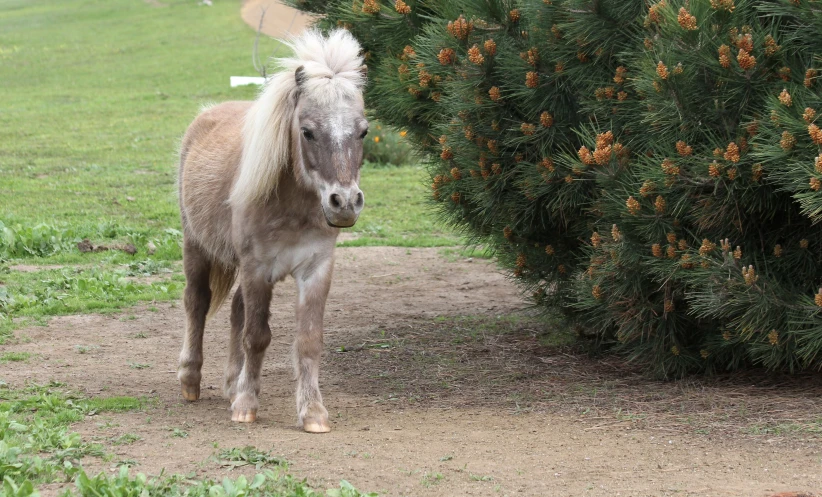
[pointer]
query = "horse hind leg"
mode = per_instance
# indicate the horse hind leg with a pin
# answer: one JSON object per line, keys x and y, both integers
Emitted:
{"x": 197, "y": 299}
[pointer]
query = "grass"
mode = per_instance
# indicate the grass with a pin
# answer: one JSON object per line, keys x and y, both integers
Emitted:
{"x": 15, "y": 357}
{"x": 97, "y": 94}
{"x": 452, "y": 254}
{"x": 396, "y": 211}
{"x": 88, "y": 149}
{"x": 36, "y": 295}
{"x": 35, "y": 443}
{"x": 37, "y": 447}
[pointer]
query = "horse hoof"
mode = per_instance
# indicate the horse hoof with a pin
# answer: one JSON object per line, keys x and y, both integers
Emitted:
{"x": 244, "y": 415}
{"x": 316, "y": 426}
{"x": 191, "y": 392}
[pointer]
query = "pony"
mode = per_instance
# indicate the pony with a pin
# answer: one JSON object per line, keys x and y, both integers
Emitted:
{"x": 264, "y": 188}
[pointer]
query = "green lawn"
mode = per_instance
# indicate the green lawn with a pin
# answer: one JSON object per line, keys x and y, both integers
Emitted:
{"x": 96, "y": 95}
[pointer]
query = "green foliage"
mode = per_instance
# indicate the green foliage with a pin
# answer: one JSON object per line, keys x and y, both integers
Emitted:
{"x": 14, "y": 357}
{"x": 395, "y": 212}
{"x": 386, "y": 147}
{"x": 36, "y": 447}
{"x": 126, "y": 439}
{"x": 41, "y": 240}
{"x": 248, "y": 456}
{"x": 67, "y": 291}
{"x": 35, "y": 444}
{"x": 266, "y": 483}
{"x": 649, "y": 168}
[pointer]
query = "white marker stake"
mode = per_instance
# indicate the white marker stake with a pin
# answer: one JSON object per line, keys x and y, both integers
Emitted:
{"x": 246, "y": 80}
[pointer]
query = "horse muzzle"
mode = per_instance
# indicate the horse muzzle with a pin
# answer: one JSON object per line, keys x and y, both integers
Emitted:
{"x": 342, "y": 206}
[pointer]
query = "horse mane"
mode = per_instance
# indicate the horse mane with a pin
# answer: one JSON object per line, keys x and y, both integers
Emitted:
{"x": 330, "y": 71}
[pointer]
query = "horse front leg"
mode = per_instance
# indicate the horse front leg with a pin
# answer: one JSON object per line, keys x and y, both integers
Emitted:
{"x": 256, "y": 298}
{"x": 236, "y": 355}
{"x": 312, "y": 288}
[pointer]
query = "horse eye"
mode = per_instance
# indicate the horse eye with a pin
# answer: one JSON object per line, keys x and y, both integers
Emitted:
{"x": 308, "y": 134}
{"x": 362, "y": 135}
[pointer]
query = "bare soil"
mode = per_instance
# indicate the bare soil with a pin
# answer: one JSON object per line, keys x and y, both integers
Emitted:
{"x": 438, "y": 383}
{"x": 278, "y": 20}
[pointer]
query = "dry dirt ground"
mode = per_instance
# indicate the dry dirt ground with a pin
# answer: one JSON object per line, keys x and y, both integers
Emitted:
{"x": 438, "y": 383}
{"x": 278, "y": 20}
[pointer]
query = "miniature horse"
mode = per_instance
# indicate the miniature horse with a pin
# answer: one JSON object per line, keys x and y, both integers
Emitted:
{"x": 265, "y": 187}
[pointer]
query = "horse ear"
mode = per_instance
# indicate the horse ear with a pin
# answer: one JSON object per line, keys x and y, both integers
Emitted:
{"x": 300, "y": 76}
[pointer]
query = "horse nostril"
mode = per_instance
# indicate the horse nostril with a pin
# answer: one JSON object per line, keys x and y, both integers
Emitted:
{"x": 336, "y": 201}
{"x": 359, "y": 201}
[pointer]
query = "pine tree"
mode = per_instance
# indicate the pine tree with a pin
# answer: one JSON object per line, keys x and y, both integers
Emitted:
{"x": 652, "y": 169}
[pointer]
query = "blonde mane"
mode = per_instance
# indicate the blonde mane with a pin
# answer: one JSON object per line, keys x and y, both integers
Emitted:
{"x": 331, "y": 70}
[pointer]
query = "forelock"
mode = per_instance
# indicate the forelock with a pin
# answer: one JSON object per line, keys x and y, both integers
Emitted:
{"x": 331, "y": 66}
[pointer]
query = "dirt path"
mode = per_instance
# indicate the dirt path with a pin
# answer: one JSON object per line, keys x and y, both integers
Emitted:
{"x": 278, "y": 21}
{"x": 425, "y": 402}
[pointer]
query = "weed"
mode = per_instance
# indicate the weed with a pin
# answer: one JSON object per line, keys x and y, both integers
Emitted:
{"x": 40, "y": 240}
{"x": 148, "y": 267}
{"x": 85, "y": 349}
{"x": 138, "y": 365}
{"x": 126, "y": 439}
{"x": 480, "y": 477}
{"x": 248, "y": 456}
{"x": 35, "y": 444}
{"x": 430, "y": 479}
{"x": 15, "y": 357}
{"x": 268, "y": 482}
{"x": 176, "y": 432}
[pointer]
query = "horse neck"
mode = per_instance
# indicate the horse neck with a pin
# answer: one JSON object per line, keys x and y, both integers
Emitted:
{"x": 293, "y": 200}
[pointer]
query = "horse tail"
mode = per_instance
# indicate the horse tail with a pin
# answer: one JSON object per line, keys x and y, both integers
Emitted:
{"x": 220, "y": 280}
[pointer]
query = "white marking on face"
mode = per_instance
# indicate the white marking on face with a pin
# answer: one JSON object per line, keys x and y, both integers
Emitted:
{"x": 340, "y": 128}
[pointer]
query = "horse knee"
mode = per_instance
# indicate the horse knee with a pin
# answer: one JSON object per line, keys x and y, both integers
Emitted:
{"x": 256, "y": 339}
{"x": 308, "y": 347}
{"x": 237, "y": 310}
